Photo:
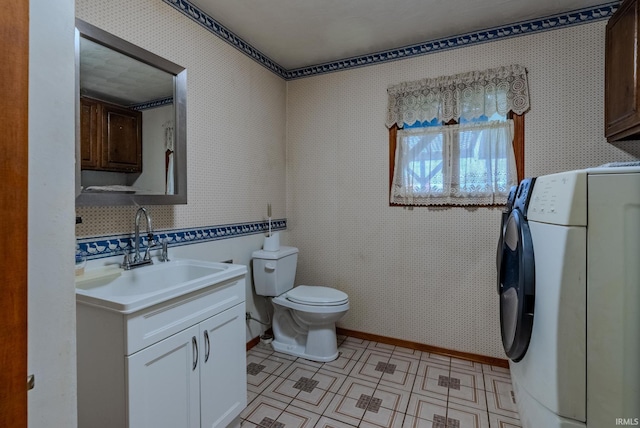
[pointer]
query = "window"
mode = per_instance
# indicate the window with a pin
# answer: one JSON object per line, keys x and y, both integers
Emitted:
{"x": 471, "y": 155}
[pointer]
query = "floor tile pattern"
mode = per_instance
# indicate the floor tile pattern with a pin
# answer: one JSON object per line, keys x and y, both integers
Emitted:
{"x": 305, "y": 384}
{"x": 386, "y": 367}
{"x": 253, "y": 368}
{"x": 441, "y": 421}
{"x": 375, "y": 385}
{"x": 368, "y": 402}
{"x": 270, "y": 423}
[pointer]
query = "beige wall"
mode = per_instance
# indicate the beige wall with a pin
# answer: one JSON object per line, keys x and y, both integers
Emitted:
{"x": 427, "y": 275}
{"x": 51, "y": 297}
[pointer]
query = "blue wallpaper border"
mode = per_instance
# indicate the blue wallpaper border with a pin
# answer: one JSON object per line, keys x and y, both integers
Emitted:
{"x": 576, "y": 17}
{"x": 97, "y": 247}
{"x": 152, "y": 104}
{"x": 522, "y": 28}
{"x": 195, "y": 14}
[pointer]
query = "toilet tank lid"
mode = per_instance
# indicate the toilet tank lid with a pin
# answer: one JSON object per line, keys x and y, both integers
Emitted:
{"x": 274, "y": 255}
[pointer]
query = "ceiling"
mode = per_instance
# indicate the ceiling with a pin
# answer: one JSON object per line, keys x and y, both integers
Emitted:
{"x": 117, "y": 78}
{"x": 301, "y": 33}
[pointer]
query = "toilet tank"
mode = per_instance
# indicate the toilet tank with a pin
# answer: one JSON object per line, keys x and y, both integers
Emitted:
{"x": 274, "y": 272}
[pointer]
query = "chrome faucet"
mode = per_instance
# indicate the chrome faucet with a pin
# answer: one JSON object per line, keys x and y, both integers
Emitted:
{"x": 150, "y": 240}
{"x": 133, "y": 260}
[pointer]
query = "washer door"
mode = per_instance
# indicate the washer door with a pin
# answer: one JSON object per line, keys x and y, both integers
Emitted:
{"x": 503, "y": 222}
{"x": 499, "y": 251}
{"x": 516, "y": 286}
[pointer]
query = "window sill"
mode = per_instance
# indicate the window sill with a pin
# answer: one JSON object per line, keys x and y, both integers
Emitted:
{"x": 472, "y": 207}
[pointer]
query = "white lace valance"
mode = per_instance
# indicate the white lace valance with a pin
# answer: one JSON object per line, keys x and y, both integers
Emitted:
{"x": 467, "y": 95}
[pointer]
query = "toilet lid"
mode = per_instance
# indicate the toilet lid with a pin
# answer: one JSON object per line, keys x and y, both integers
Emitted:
{"x": 317, "y": 295}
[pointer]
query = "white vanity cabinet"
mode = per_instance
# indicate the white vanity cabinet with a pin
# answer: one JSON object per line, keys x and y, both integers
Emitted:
{"x": 180, "y": 363}
{"x": 163, "y": 384}
{"x": 224, "y": 393}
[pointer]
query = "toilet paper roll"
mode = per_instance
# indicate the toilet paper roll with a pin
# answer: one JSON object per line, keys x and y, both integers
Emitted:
{"x": 272, "y": 243}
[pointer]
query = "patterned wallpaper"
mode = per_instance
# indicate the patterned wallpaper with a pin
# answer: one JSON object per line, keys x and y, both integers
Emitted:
{"x": 427, "y": 275}
{"x": 235, "y": 122}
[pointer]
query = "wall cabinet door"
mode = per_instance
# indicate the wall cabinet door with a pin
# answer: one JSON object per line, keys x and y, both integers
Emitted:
{"x": 121, "y": 139}
{"x": 622, "y": 84}
{"x": 164, "y": 383}
{"x": 110, "y": 137}
{"x": 89, "y": 122}
{"x": 223, "y": 372}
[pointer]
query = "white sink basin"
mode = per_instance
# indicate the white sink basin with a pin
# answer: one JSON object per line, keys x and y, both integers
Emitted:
{"x": 139, "y": 288}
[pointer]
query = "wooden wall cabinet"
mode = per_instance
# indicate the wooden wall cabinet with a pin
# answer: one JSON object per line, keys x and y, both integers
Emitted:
{"x": 110, "y": 137}
{"x": 622, "y": 73}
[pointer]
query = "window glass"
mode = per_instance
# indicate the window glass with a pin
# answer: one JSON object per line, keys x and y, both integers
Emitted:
{"x": 467, "y": 164}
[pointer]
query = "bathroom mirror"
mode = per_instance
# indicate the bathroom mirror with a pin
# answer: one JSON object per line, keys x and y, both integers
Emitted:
{"x": 130, "y": 123}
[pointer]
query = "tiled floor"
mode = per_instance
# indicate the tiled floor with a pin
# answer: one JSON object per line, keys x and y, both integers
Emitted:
{"x": 373, "y": 384}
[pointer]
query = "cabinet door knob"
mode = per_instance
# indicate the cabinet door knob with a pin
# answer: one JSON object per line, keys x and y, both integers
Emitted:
{"x": 207, "y": 346}
{"x": 194, "y": 341}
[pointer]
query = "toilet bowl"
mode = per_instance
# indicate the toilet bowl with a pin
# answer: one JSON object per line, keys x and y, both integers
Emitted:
{"x": 304, "y": 317}
{"x": 306, "y": 327}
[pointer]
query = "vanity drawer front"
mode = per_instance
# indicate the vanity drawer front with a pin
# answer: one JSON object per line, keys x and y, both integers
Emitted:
{"x": 158, "y": 322}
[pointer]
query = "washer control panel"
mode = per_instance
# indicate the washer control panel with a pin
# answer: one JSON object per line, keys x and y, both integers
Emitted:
{"x": 560, "y": 199}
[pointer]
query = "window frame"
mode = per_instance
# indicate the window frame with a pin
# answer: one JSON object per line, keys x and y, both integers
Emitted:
{"x": 518, "y": 151}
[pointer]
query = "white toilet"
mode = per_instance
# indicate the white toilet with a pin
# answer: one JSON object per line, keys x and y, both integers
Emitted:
{"x": 304, "y": 317}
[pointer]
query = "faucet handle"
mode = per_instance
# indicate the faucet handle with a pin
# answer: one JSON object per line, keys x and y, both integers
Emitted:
{"x": 151, "y": 242}
{"x": 126, "y": 263}
{"x": 165, "y": 251}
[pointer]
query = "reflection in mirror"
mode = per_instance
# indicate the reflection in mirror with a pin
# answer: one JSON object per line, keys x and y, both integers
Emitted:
{"x": 131, "y": 113}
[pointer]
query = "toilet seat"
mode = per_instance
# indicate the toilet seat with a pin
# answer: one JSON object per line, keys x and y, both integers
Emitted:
{"x": 327, "y": 308}
{"x": 317, "y": 296}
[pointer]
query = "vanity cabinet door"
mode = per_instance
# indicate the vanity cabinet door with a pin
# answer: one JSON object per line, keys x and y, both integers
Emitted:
{"x": 223, "y": 372}
{"x": 164, "y": 383}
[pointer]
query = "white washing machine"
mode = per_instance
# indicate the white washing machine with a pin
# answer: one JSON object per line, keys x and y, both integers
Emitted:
{"x": 569, "y": 285}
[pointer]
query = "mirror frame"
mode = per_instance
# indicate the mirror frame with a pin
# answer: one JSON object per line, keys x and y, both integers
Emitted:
{"x": 95, "y": 34}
